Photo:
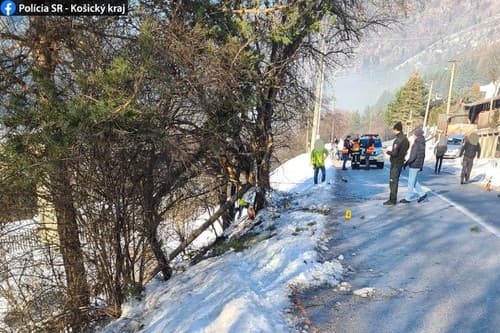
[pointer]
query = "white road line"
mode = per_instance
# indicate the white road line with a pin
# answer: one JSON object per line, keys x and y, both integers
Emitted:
{"x": 494, "y": 230}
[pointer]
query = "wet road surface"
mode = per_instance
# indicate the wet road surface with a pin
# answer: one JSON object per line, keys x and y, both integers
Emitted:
{"x": 433, "y": 267}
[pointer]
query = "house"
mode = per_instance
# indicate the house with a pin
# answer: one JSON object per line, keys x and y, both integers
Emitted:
{"x": 485, "y": 116}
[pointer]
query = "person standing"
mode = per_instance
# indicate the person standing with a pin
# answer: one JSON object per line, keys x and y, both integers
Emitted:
{"x": 356, "y": 154}
{"x": 415, "y": 163}
{"x": 346, "y": 149}
{"x": 318, "y": 155}
{"x": 369, "y": 150}
{"x": 470, "y": 149}
{"x": 439, "y": 151}
{"x": 335, "y": 153}
{"x": 397, "y": 154}
{"x": 340, "y": 145}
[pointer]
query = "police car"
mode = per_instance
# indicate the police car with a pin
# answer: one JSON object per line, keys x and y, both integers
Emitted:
{"x": 377, "y": 158}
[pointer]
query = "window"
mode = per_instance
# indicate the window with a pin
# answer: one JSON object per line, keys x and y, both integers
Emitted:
{"x": 364, "y": 142}
{"x": 455, "y": 141}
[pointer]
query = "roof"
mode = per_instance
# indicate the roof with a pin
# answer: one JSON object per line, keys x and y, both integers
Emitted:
{"x": 482, "y": 105}
{"x": 496, "y": 103}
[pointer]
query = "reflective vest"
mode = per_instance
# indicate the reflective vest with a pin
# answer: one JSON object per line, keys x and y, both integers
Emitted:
{"x": 355, "y": 147}
{"x": 370, "y": 150}
{"x": 318, "y": 157}
{"x": 345, "y": 151}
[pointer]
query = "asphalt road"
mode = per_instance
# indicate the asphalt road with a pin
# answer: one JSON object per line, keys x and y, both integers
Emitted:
{"x": 485, "y": 206}
{"x": 434, "y": 266}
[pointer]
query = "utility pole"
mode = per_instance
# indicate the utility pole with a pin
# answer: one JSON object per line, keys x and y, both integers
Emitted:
{"x": 333, "y": 126}
{"x": 427, "y": 108}
{"x": 453, "y": 62}
{"x": 409, "y": 122}
{"x": 319, "y": 90}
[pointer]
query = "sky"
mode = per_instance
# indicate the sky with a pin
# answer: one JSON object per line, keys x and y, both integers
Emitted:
{"x": 355, "y": 91}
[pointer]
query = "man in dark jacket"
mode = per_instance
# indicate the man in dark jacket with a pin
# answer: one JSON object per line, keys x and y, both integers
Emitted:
{"x": 469, "y": 150}
{"x": 439, "y": 151}
{"x": 415, "y": 163}
{"x": 398, "y": 152}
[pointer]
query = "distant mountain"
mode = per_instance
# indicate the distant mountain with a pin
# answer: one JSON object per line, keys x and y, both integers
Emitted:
{"x": 434, "y": 32}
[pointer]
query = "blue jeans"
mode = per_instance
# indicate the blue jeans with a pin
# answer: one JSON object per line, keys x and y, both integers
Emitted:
{"x": 413, "y": 185}
{"x": 345, "y": 157}
{"x": 323, "y": 174}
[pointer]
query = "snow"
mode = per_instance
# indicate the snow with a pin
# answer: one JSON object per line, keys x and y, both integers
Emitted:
{"x": 364, "y": 292}
{"x": 248, "y": 291}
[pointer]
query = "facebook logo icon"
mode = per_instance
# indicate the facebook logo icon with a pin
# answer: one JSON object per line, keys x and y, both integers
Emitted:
{"x": 8, "y": 7}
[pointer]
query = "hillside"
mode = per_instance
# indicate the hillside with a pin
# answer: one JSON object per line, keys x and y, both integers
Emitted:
{"x": 432, "y": 33}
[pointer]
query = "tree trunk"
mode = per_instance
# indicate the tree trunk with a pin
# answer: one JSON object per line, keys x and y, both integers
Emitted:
{"x": 265, "y": 147}
{"x": 117, "y": 296}
{"x": 228, "y": 215}
{"x": 70, "y": 247}
{"x": 45, "y": 54}
{"x": 211, "y": 220}
{"x": 152, "y": 219}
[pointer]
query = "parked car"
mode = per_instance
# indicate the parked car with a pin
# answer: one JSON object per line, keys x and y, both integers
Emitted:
{"x": 377, "y": 158}
{"x": 454, "y": 143}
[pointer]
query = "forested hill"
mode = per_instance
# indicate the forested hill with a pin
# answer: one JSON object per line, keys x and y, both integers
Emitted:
{"x": 434, "y": 31}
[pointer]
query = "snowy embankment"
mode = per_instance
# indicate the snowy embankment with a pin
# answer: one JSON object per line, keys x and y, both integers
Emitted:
{"x": 249, "y": 290}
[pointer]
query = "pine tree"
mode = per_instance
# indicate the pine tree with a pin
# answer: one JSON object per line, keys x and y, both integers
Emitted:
{"x": 409, "y": 103}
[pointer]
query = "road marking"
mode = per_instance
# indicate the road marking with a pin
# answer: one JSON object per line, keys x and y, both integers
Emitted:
{"x": 495, "y": 231}
{"x": 492, "y": 229}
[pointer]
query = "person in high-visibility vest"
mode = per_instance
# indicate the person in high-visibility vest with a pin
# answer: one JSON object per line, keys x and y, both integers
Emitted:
{"x": 318, "y": 155}
{"x": 247, "y": 200}
{"x": 370, "y": 149}
{"x": 355, "y": 152}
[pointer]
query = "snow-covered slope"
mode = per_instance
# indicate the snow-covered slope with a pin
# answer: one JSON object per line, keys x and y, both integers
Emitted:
{"x": 247, "y": 291}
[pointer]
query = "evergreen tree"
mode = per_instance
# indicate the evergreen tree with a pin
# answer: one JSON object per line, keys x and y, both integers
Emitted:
{"x": 409, "y": 103}
{"x": 436, "y": 108}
